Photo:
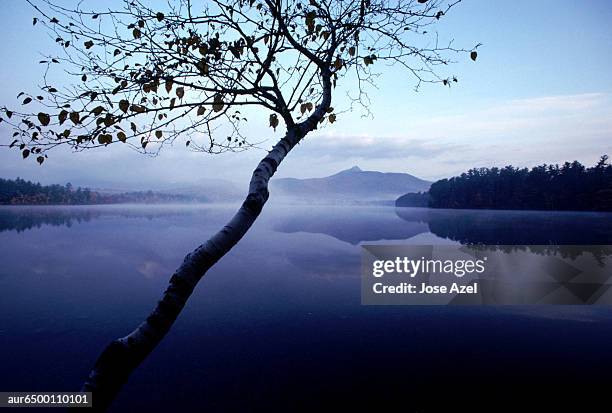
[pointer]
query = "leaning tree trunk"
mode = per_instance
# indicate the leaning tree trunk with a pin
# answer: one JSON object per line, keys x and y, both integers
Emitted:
{"x": 123, "y": 355}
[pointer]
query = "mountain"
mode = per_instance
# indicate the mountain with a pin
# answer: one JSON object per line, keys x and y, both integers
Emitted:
{"x": 349, "y": 186}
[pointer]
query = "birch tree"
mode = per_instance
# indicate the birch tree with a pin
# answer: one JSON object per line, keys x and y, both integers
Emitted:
{"x": 189, "y": 73}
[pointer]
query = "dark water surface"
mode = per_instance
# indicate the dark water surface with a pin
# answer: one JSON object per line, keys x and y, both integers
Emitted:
{"x": 277, "y": 325}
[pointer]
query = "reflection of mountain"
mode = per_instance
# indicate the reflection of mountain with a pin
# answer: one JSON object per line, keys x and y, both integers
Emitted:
{"x": 349, "y": 186}
{"x": 352, "y": 225}
{"x": 358, "y": 224}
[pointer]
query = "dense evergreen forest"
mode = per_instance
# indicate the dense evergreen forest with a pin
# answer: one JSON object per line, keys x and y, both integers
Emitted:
{"x": 570, "y": 187}
{"x": 22, "y": 192}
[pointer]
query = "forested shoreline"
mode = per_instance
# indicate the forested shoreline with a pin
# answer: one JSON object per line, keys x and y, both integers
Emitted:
{"x": 22, "y": 192}
{"x": 569, "y": 187}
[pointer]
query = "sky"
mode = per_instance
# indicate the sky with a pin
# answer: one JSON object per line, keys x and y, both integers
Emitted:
{"x": 539, "y": 92}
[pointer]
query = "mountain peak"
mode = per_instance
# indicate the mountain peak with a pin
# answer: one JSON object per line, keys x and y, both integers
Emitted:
{"x": 351, "y": 185}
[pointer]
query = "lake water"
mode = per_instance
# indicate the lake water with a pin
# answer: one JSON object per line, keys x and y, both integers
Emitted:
{"x": 277, "y": 325}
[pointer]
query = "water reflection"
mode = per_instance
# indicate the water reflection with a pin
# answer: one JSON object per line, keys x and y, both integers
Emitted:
{"x": 539, "y": 232}
{"x": 280, "y": 314}
{"x": 24, "y": 218}
{"x": 515, "y": 227}
{"x": 363, "y": 224}
{"x": 354, "y": 224}
{"x": 468, "y": 227}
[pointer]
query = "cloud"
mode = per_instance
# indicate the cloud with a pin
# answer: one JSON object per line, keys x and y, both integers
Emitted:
{"x": 562, "y": 103}
{"x": 377, "y": 148}
{"x": 532, "y": 118}
{"x": 522, "y": 132}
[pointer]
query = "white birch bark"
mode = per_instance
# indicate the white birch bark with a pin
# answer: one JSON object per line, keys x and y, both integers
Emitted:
{"x": 123, "y": 355}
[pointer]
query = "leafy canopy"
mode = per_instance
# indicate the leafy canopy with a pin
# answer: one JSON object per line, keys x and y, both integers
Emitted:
{"x": 145, "y": 77}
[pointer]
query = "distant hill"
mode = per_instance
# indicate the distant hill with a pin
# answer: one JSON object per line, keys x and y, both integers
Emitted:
{"x": 349, "y": 186}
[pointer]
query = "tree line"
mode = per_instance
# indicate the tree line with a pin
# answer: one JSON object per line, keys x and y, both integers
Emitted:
{"x": 569, "y": 187}
{"x": 22, "y": 192}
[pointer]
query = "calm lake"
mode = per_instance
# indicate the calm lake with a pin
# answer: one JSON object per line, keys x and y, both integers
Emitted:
{"x": 278, "y": 323}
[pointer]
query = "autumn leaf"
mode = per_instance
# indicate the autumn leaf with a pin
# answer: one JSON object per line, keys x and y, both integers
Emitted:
{"x": 63, "y": 115}
{"x": 124, "y": 105}
{"x": 273, "y": 121}
{"x": 75, "y": 117}
{"x": 218, "y": 103}
{"x": 474, "y": 55}
{"x": 138, "y": 108}
{"x": 97, "y": 110}
{"x": 203, "y": 66}
{"x": 44, "y": 118}
{"x": 338, "y": 64}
